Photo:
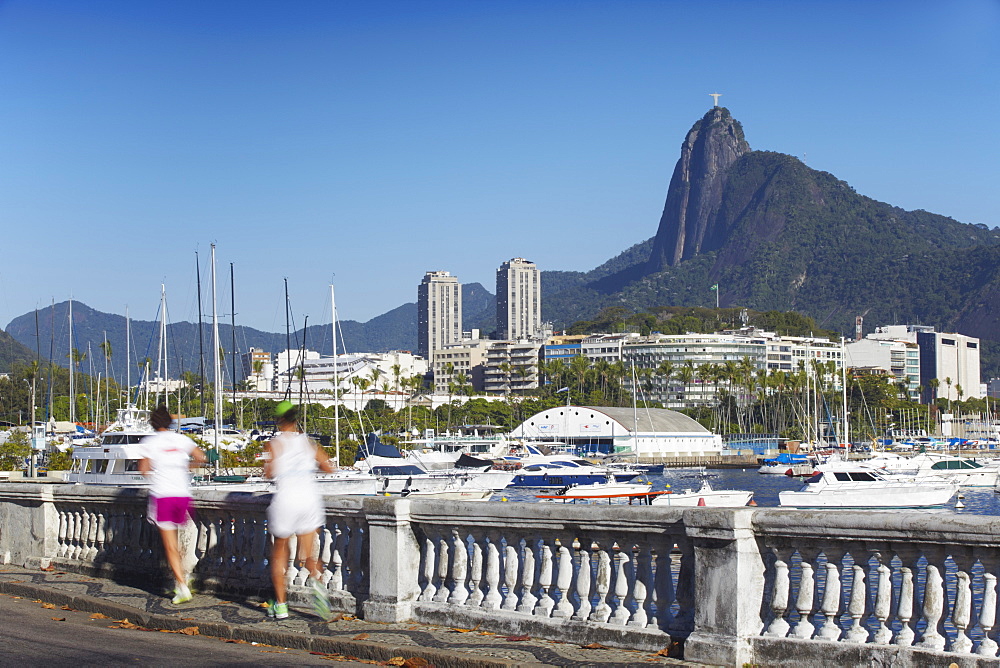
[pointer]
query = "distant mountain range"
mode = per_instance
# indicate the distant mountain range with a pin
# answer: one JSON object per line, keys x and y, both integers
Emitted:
{"x": 771, "y": 232}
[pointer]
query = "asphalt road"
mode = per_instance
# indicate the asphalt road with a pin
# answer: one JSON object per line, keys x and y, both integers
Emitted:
{"x": 32, "y": 635}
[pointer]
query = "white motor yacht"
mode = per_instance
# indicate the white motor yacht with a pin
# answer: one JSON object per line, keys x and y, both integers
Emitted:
{"x": 705, "y": 496}
{"x": 847, "y": 485}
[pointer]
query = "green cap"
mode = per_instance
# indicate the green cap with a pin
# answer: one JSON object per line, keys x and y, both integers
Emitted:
{"x": 283, "y": 407}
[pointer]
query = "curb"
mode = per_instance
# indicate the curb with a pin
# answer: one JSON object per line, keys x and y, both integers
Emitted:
{"x": 371, "y": 651}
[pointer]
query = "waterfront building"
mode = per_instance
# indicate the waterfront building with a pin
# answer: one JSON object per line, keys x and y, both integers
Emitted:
{"x": 382, "y": 374}
{"x": 605, "y": 347}
{"x": 952, "y": 359}
{"x": 465, "y": 359}
{"x": 259, "y": 370}
{"x": 650, "y": 432}
{"x": 519, "y": 300}
{"x": 899, "y": 359}
{"x": 512, "y": 366}
{"x": 439, "y": 312}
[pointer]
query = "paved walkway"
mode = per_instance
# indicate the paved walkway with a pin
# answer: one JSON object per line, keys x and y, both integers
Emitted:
{"x": 345, "y": 638}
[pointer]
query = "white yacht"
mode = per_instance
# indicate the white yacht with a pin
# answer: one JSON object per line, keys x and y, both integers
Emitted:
{"x": 114, "y": 458}
{"x": 966, "y": 472}
{"x": 705, "y": 496}
{"x": 846, "y": 485}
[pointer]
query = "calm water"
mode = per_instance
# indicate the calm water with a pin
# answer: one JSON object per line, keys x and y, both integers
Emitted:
{"x": 978, "y": 501}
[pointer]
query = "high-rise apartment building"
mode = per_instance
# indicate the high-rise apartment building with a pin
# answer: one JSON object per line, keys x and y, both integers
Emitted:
{"x": 439, "y": 312}
{"x": 519, "y": 300}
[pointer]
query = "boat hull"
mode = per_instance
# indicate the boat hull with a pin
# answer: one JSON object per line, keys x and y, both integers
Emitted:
{"x": 901, "y": 496}
{"x": 713, "y": 499}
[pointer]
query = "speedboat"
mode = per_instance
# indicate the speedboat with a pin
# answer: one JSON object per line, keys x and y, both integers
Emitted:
{"x": 847, "y": 485}
{"x": 705, "y": 496}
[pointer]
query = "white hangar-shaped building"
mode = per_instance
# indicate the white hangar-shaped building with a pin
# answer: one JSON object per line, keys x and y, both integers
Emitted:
{"x": 648, "y": 432}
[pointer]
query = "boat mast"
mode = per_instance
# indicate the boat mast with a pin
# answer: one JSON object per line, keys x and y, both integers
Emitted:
{"x": 232, "y": 321}
{"x": 128, "y": 357}
{"x": 72, "y": 396}
{"x": 336, "y": 379}
{"x": 288, "y": 346}
{"x": 218, "y": 376}
{"x": 201, "y": 338}
{"x": 161, "y": 364}
{"x": 843, "y": 384}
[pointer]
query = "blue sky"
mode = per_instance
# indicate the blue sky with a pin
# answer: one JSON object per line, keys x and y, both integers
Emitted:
{"x": 366, "y": 142}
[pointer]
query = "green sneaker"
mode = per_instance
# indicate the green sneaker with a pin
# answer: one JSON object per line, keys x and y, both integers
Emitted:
{"x": 280, "y": 610}
{"x": 182, "y": 595}
{"x": 321, "y": 604}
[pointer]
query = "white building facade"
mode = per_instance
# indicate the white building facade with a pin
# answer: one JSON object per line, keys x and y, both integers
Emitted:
{"x": 653, "y": 432}
{"x": 439, "y": 312}
{"x": 519, "y": 300}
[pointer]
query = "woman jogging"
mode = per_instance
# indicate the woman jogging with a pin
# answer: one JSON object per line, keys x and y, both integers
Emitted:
{"x": 166, "y": 461}
{"x": 291, "y": 460}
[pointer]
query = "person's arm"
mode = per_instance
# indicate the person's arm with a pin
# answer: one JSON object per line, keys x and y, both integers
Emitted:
{"x": 145, "y": 468}
{"x": 324, "y": 461}
{"x": 268, "y": 458}
{"x": 198, "y": 457}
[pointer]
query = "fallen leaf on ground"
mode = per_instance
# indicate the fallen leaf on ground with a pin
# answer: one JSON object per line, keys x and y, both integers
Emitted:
{"x": 416, "y": 662}
{"x": 461, "y": 630}
{"x": 48, "y": 569}
{"x": 49, "y": 606}
{"x": 65, "y": 607}
{"x": 360, "y": 636}
{"x": 59, "y": 619}
{"x": 237, "y": 641}
{"x": 593, "y": 645}
{"x": 189, "y": 631}
{"x": 518, "y": 638}
{"x": 395, "y": 661}
{"x": 187, "y": 619}
{"x": 98, "y": 615}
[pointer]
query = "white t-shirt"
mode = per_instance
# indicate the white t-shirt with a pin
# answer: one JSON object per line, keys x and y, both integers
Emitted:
{"x": 294, "y": 465}
{"x": 169, "y": 455}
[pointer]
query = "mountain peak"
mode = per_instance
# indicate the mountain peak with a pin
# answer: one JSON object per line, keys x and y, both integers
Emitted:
{"x": 687, "y": 226}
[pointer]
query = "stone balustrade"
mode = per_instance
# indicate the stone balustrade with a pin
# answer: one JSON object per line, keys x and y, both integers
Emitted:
{"x": 729, "y": 586}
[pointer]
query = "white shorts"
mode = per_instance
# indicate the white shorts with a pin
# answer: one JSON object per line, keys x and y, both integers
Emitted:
{"x": 294, "y": 516}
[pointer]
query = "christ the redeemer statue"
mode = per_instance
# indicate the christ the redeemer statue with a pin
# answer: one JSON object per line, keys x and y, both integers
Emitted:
{"x": 716, "y": 96}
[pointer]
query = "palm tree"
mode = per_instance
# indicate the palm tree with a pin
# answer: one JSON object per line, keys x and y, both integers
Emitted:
{"x": 686, "y": 376}
{"x": 665, "y": 370}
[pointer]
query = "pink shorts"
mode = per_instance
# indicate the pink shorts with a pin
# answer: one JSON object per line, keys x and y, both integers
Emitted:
{"x": 170, "y": 512}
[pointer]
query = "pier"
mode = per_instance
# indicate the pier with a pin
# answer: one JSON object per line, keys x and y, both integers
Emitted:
{"x": 720, "y": 586}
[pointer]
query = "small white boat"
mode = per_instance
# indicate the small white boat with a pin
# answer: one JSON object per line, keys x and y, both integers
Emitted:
{"x": 605, "y": 489}
{"x": 460, "y": 494}
{"x": 845, "y": 485}
{"x": 705, "y": 496}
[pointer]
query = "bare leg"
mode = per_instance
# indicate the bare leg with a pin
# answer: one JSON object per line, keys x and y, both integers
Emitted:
{"x": 279, "y": 563}
{"x": 307, "y": 554}
{"x": 169, "y": 537}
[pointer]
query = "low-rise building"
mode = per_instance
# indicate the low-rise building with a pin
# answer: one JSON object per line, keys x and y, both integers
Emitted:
{"x": 512, "y": 366}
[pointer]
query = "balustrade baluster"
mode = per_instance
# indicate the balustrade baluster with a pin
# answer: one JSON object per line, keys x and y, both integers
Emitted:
{"x": 908, "y": 558}
{"x": 961, "y": 612}
{"x": 543, "y": 607}
{"x": 934, "y": 598}
{"x": 443, "y": 569}
{"x": 621, "y": 613}
{"x": 807, "y": 594}
{"x": 663, "y": 586}
{"x": 583, "y": 581}
{"x": 859, "y": 597}
{"x": 102, "y": 528}
{"x": 883, "y": 600}
{"x": 476, "y": 571}
{"x": 684, "y": 621}
{"x": 830, "y": 605}
{"x": 357, "y": 557}
{"x": 526, "y": 578}
{"x": 564, "y": 579}
{"x": 459, "y": 569}
{"x": 641, "y": 587}
{"x": 780, "y": 593}
{"x": 602, "y": 612}
{"x": 988, "y": 611}
{"x": 90, "y": 533}
{"x": 338, "y": 558}
{"x": 75, "y": 523}
{"x": 63, "y": 544}
{"x": 429, "y": 568}
{"x": 492, "y": 599}
{"x": 510, "y": 575}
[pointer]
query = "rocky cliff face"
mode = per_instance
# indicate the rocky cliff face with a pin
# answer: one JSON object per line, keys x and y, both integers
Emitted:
{"x": 688, "y": 225}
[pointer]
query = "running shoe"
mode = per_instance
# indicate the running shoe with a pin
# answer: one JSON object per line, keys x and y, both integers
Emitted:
{"x": 182, "y": 595}
{"x": 280, "y": 610}
{"x": 321, "y": 604}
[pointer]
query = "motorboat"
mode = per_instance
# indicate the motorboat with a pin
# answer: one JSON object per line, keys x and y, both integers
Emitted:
{"x": 849, "y": 485}
{"x": 114, "y": 458}
{"x": 787, "y": 464}
{"x": 610, "y": 487}
{"x": 965, "y": 471}
{"x": 705, "y": 496}
{"x": 563, "y": 472}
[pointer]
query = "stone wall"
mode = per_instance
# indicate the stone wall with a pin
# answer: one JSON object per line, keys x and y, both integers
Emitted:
{"x": 725, "y": 586}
